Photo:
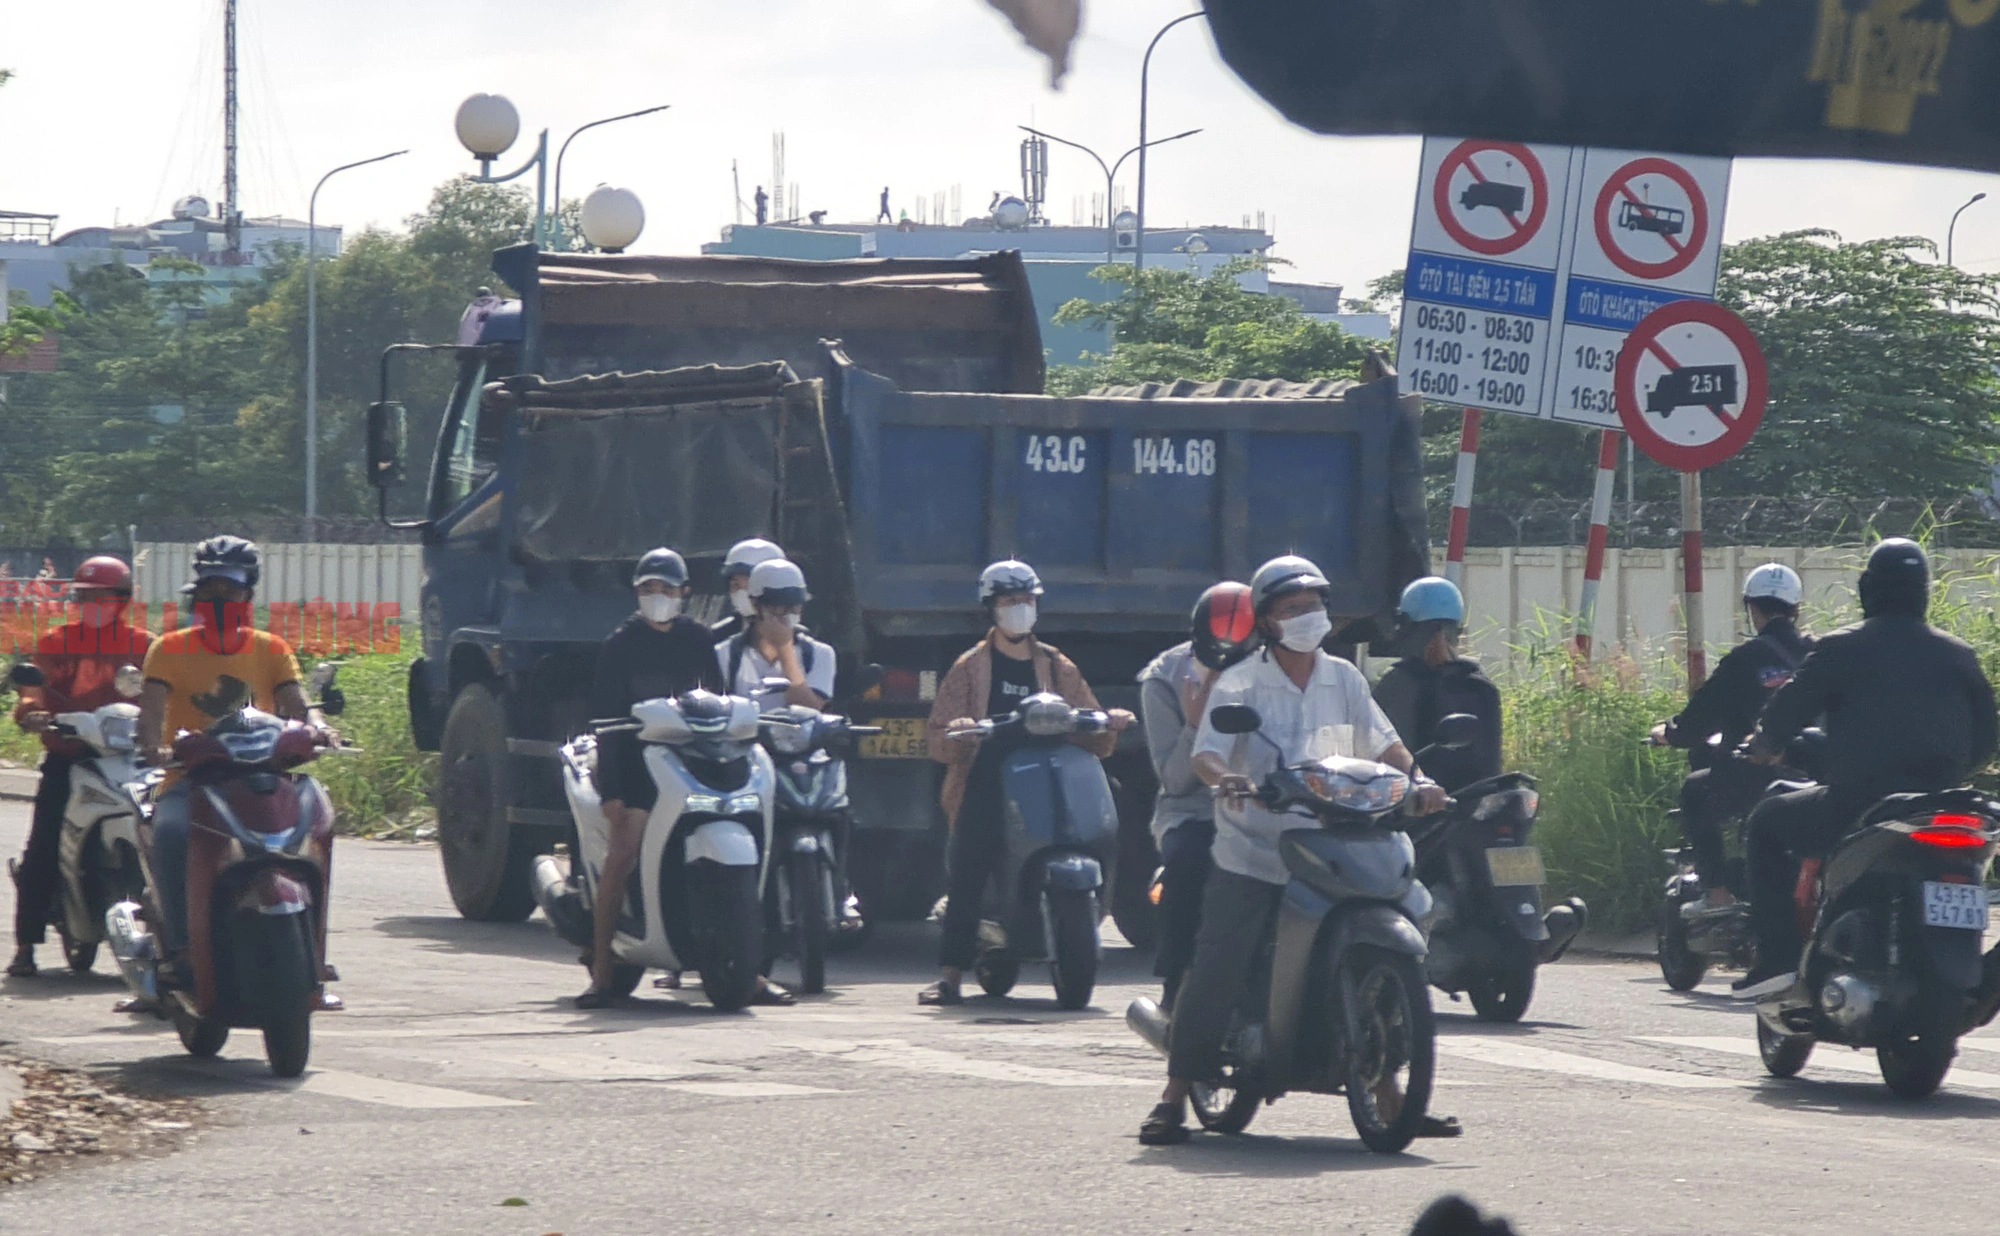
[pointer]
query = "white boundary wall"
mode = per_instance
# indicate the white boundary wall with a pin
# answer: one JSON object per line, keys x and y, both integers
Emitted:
{"x": 350, "y": 574}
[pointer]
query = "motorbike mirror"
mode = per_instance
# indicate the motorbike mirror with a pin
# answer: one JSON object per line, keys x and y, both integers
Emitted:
{"x": 333, "y": 701}
{"x": 321, "y": 677}
{"x": 1235, "y": 719}
{"x": 1456, "y": 731}
{"x": 129, "y": 681}
{"x": 775, "y": 684}
{"x": 27, "y": 674}
{"x": 869, "y": 677}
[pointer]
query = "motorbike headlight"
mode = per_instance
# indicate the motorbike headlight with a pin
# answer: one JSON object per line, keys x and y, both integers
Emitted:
{"x": 787, "y": 738}
{"x": 1046, "y": 718}
{"x": 119, "y": 733}
{"x": 746, "y": 803}
{"x": 1520, "y": 802}
{"x": 1369, "y": 795}
{"x": 706, "y": 804}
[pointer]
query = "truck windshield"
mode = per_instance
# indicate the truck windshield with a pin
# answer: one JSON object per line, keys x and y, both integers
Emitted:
{"x": 469, "y": 446}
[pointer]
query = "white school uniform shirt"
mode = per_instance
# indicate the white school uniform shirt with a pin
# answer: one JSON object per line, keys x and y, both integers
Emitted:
{"x": 1334, "y": 715}
{"x": 751, "y": 673}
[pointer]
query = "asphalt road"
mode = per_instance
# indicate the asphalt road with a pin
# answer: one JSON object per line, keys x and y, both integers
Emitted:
{"x": 461, "y": 1077}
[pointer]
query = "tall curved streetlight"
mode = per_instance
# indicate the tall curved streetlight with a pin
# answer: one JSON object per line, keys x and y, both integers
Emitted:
{"x": 312, "y": 338}
{"x": 1145, "y": 74}
{"x": 1110, "y": 178}
{"x": 557, "y": 239}
{"x": 1951, "y": 231}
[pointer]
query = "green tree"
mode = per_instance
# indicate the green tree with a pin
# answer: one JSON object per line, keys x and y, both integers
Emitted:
{"x": 1168, "y": 324}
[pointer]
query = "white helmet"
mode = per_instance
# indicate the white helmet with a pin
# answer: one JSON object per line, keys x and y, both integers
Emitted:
{"x": 744, "y": 556}
{"x": 1774, "y": 581}
{"x": 778, "y": 582}
{"x": 1009, "y": 578}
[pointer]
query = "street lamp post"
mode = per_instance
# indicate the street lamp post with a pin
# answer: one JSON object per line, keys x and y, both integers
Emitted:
{"x": 1145, "y": 71}
{"x": 487, "y": 125}
{"x": 557, "y": 238}
{"x": 312, "y": 339}
{"x": 1950, "y": 231}
{"x": 1110, "y": 179}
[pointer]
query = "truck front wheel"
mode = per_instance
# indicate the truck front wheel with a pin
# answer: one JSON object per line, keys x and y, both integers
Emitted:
{"x": 485, "y": 865}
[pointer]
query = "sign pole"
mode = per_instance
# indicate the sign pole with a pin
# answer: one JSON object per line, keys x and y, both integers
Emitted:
{"x": 1697, "y": 656}
{"x": 1600, "y": 533}
{"x": 1461, "y": 497}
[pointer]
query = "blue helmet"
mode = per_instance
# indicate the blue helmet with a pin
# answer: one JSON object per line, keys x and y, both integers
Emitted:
{"x": 1432, "y": 599}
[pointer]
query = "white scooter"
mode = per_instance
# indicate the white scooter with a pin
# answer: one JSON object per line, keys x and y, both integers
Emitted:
{"x": 99, "y": 851}
{"x": 695, "y": 901}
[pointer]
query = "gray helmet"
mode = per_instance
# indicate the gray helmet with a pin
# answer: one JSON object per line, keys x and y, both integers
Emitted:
{"x": 1008, "y": 578}
{"x": 230, "y": 557}
{"x": 744, "y": 557}
{"x": 662, "y": 564}
{"x": 1282, "y": 576}
{"x": 778, "y": 582}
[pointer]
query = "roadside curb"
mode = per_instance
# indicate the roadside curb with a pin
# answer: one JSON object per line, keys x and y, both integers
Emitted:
{"x": 18, "y": 783}
{"x": 1639, "y": 946}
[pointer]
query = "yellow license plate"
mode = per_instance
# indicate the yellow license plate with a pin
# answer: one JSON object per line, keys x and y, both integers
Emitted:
{"x": 1516, "y": 866}
{"x": 902, "y": 738}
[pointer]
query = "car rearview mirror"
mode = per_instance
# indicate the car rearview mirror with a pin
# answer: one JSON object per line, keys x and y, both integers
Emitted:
{"x": 1456, "y": 731}
{"x": 1235, "y": 719}
{"x": 388, "y": 430}
{"x": 27, "y": 674}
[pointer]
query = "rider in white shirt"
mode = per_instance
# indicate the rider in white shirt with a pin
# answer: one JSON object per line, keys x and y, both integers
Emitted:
{"x": 773, "y": 645}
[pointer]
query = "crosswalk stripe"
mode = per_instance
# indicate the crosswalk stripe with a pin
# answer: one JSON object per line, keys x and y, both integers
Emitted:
{"x": 361, "y": 1088}
{"x": 1826, "y": 1056}
{"x": 898, "y": 1054}
{"x": 1510, "y": 1054}
{"x": 747, "y": 1089}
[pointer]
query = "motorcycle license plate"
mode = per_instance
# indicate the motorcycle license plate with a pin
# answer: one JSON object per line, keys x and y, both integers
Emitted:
{"x": 902, "y": 738}
{"x": 1516, "y": 866}
{"x": 1955, "y": 905}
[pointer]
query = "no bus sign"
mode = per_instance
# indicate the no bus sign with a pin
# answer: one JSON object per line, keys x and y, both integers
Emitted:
{"x": 1691, "y": 385}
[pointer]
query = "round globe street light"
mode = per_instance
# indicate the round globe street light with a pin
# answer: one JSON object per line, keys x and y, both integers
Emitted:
{"x": 487, "y": 125}
{"x": 612, "y": 218}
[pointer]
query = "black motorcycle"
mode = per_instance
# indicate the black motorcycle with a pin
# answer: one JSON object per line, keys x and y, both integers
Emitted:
{"x": 1487, "y": 931}
{"x": 1337, "y": 1002}
{"x": 1893, "y": 955}
{"x": 808, "y": 905}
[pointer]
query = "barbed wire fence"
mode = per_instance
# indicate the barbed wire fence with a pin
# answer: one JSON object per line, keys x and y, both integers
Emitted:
{"x": 1971, "y": 522}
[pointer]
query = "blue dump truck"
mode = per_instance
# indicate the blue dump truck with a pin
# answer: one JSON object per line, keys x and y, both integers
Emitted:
{"x": 882, "y": 420}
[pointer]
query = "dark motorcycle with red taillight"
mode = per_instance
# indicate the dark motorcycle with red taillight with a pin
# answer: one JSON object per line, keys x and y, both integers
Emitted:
{"x": 260, "y": 853}
{"x": 1894, "y": 920}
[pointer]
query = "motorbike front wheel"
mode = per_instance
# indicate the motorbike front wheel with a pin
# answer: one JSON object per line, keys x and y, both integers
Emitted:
{"x": 731, "y": 916}
{"x": 1783, "y": 1054}
{"x": 811, "y": 902}
{"x": 277, "y": 961}
{"x": 1073, "y": 951}
{"x": 997, "y": 973}
{"x": 1393, "y": 1060}
{"x": 1680, "y": 966}
{"x": 1503, "y": 992}
{"x": 80, "y": 954}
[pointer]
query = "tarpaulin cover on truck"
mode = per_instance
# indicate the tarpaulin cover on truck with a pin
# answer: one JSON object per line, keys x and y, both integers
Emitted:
{"x": 930, "y": 324}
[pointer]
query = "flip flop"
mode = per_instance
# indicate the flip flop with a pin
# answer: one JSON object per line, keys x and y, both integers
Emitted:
{"x": 939, "y": 995}
{"x": 1165, "y": 1125}
{"x": 773, "y": 994}
{"x": 595, "y": 999}
{"x": 1439, "y": 1126}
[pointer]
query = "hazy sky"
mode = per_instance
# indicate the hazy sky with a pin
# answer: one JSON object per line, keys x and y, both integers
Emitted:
{"x": 115, "y": 109}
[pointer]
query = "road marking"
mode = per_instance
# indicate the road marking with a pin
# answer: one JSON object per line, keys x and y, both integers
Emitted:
{"x": 1514, "y": 1055}
{"x": 747, "y": 1090}
{"x": 898, "y": 1054}
{"x": 1832, "y": 1056}
{"x": 361, "y": 1088}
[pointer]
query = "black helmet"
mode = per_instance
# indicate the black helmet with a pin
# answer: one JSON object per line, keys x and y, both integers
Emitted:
{"x": 231, "y": 557}
{"x": 1223, "y": 625}
{"x": 1897, "y": 579}
{"x": 662, "y": 564}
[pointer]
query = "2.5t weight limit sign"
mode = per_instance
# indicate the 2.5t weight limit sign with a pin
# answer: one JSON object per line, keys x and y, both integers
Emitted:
{"x": 1691, "y": 385}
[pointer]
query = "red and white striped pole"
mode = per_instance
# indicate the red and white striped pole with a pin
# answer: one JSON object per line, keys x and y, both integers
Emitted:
{"x": 1461, "y": 497}
{"x": 1697, "y": 655}
{"x": 1600, "y": 532}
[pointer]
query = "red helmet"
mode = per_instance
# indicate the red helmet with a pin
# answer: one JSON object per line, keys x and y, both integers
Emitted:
{"x": 1224, "y": 625}
{"x": 104, "y": 571}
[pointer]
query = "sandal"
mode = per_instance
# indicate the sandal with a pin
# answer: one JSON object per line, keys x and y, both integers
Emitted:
{"x": 939, "y": 995}
{"x": 1165, "y": 1125}
{"x": 772, "y": 994}
{"x": 1439, "y": 1126}
{"x": 595, "y": 999}
{"x": 23, "y": 967}
{"x": 670, "y": 981}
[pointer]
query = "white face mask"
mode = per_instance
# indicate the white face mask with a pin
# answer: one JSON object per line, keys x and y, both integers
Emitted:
{"x": 657, "y": 607}
{"x": 739, "y": 600}
{"x": 1015, "y": 620}
{"x": 1305, "y": 632}
{"x": 791, "y": 621}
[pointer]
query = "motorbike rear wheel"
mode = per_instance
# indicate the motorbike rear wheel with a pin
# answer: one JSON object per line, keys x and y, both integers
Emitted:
{"x": 809, "y": 902}
{"x": 201, "y": 1037}
{"x": 1680, "y": 966}
{"x": 1391, "y": 1065}
{"x": 80, "y": 954}
{"x": 1073, "y": 951}
{"x": 731, "y": 917}
{"x": 997, "y": 973}
{"x": 1502, "y": 994}
{"x": 1784, "y": 1054}
{"x": 1915, "y": 1062}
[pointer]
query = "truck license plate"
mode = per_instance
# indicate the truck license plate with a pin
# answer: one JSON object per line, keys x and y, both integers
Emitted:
{"x": 1955, "y": 905}
{"x": 902, "y": 738}
{"x": 1516, "y": 866}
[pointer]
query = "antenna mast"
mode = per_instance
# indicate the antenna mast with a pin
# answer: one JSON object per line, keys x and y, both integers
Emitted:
{"x": 232, "y": 219}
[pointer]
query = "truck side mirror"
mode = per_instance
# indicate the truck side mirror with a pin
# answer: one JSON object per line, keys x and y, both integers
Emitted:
{"x": 388, "y": 431}
{"x": 1235, "y": 719}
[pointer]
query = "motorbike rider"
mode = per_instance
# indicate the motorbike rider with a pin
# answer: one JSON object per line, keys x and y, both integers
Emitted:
{"x": 1313, "y": 705}
{"x": 774, "y": 644}
{"x": 196, "y": 675}
{"x": 991, "y": 680}
{"x": 1435, "y": 682}
{"x": 81, "y": 661}
{"x": 1173, "y": 694}
{"x": 655, "y": 653}
{"x": 1906, "y": 708}
{"x": 742, "y": 558}
{"x": 1722, "y": 713}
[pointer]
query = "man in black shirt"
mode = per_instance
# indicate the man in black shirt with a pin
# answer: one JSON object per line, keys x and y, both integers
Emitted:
{"x": 655, "y": 653}
{"x": 1720, "y": 715}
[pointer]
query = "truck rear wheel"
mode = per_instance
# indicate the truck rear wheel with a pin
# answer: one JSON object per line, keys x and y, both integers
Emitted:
{"x": 485, "y": 866}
